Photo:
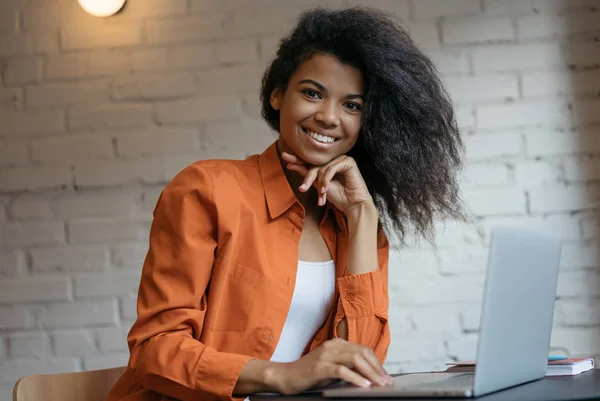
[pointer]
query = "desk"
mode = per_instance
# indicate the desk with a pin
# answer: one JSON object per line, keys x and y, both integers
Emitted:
{"x": 585, "y": 386}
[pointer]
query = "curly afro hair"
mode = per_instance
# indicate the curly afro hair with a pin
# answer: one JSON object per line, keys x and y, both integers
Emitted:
{"x": 409, "y": 149}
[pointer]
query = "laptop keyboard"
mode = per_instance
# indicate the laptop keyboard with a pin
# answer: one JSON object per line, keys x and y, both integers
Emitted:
{"x": 458, "y": 382}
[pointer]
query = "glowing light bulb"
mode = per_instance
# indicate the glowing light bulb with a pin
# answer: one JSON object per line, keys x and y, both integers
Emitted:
{"x": 102, "y": 8}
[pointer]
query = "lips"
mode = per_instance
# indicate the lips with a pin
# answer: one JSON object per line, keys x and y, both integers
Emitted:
{"x": 319, "y": 136}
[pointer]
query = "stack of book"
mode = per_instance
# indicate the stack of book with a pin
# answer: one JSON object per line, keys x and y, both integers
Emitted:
{"x": 558, "y": 367}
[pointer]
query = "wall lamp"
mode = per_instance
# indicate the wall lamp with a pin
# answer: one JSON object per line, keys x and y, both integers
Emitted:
{"x": 102, "y": 8}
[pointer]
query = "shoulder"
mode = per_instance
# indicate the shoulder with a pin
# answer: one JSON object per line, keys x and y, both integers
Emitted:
{"x": 213, "y": 172}
{"x": 209, "y": 178}
{"x": 223, "y": 171}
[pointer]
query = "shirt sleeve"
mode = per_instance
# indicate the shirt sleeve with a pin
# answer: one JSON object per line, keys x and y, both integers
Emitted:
{"x": 364, "y": 302}
{"x": 166, "y": 355}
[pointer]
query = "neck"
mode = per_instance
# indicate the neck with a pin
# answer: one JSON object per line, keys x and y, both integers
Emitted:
{"x": 309, "y": 198}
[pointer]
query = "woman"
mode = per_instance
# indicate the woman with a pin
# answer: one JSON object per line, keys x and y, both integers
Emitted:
{"x": 270, "y": 274}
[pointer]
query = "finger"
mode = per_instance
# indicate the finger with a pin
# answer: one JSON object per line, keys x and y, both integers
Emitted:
{"x": 325, "y": 383}
{"x": 339, "y": 166}
{"x": 325, "y": 171}
{"x": 370, "y": 356}
{"x": 319, "y": 182}
{"x": 299, "y": 168}
{"x": 322, "y": 199}
{"x": 359, "y": 363}
{"x": 328, "y": 175}
{"x": 309, "y": 179}
{"x": 347, "y": 374}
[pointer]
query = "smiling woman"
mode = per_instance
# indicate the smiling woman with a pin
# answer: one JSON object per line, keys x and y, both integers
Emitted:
{"x": 271, "y": 273}
{"x": 320, "y": 110}
{"x": 409, "y": 150}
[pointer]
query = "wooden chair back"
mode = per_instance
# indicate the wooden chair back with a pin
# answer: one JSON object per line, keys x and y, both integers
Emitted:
{"x": 80, "y": 386}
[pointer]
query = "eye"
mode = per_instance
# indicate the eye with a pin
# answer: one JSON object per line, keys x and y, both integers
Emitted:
{"x": 353, "y": 106}
{"x": 313, "y": 94}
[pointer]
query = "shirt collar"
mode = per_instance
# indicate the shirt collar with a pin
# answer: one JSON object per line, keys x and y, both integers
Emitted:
{"x": 279, "y": 194}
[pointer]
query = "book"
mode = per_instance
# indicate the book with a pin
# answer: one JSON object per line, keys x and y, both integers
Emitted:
{"x": 563, "y": 367}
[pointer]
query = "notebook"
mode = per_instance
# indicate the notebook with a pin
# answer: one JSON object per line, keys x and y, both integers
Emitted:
{"x": 564, "y": 367}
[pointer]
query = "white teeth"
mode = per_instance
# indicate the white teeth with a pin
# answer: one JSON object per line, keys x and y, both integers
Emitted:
{"x": 320, "y": 138}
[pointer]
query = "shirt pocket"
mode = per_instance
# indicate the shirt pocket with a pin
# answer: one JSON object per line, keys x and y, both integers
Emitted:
{"x": 231, "y": 296}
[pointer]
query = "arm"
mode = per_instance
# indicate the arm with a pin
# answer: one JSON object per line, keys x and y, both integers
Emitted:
{"x": 363, "y": 221}
{"x": 363, "y": 303}
{"x": 362, "y": 252}
{"x": 288, "y": 378}
{"x": 362, "y": 315}
{"x": 166, "y": 355}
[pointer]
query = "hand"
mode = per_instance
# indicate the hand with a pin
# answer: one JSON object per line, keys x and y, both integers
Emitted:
{"x": 338, "y": 181}
{"x": 334, "y": 359}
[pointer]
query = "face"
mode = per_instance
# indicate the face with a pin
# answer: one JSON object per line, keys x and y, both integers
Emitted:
{"x": 321, "y": 109}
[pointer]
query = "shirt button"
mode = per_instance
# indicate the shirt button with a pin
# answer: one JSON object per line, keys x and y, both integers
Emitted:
{"x": 349, "y": 297}
{"x": 331, "y": 238}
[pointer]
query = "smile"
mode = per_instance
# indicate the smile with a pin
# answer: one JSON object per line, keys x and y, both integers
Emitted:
{"x": 318, "y": 137}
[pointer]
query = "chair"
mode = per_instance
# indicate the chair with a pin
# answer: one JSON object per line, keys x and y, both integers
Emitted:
{"x": 93, "y": 385}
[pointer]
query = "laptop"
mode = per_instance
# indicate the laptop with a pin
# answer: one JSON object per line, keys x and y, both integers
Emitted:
{"x": 516, "y": 323}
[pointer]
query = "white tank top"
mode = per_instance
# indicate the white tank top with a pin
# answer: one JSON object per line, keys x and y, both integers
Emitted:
{"x": 311, "y": 302}
{"x": 312, "y": 299}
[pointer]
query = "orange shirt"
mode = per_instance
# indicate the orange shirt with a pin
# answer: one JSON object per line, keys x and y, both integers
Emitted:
{"x": 219, "y": 277}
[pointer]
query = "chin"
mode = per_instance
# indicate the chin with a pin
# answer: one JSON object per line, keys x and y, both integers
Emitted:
{"x": 316, "y": 159}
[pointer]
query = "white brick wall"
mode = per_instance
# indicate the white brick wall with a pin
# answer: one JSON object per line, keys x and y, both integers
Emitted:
{"x": 73, "y": 343}
{"x": 98, "y": 114}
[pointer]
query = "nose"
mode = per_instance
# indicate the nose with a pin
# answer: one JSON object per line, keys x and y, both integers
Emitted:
{"x": 328, "y": 114}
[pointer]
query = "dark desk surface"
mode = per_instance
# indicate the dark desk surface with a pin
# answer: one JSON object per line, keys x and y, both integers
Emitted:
{"x": 585, "y": 386}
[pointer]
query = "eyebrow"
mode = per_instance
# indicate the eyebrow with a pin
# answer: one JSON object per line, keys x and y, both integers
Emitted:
{"x": 350, "y": 96}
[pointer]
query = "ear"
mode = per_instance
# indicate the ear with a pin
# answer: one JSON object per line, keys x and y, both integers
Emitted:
{"x": 275, "y": 99}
